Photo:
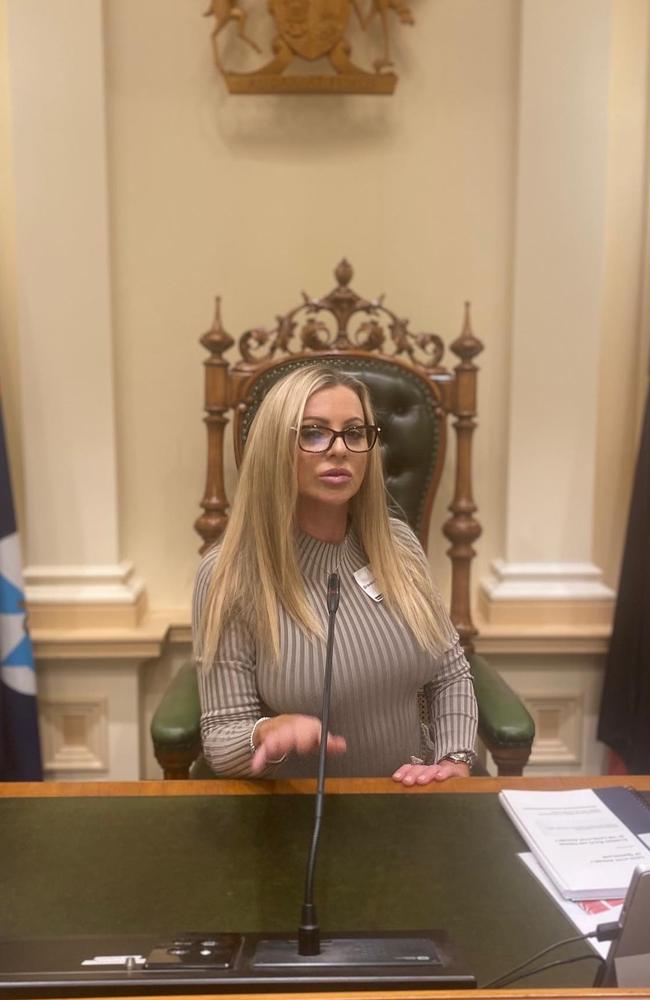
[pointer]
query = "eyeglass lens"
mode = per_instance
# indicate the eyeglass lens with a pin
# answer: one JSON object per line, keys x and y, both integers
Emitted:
{"x": 360, "y": 437}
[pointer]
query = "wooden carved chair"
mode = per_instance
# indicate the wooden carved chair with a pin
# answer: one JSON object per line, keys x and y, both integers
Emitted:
{"x": 414, "y": 396}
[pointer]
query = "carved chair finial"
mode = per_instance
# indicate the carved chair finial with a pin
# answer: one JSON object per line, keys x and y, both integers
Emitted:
{"x": 214, "y": 518}
{"x": 216, "y": 340}
{"x": 467, "y": 345}
{"x": 344, "y": 272}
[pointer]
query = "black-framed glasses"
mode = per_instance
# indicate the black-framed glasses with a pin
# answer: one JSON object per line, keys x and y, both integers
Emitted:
{"x": 357, "y": 437}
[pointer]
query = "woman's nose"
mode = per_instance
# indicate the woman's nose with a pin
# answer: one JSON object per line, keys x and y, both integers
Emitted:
{"x": 338, "y": 446}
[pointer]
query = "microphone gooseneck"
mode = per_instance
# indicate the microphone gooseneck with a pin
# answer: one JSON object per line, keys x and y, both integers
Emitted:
{"x": 309, "y": 930}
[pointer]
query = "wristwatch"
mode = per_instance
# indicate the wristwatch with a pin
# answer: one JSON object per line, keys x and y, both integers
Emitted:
{"x": 459, "y": 757}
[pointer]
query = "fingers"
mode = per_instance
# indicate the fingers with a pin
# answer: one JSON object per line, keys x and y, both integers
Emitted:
{"x": 303, "y": 735}
{"x": 448, "y": 769}
{"x": 424, "y": 774}
{"x": 258, "y": 762}
{"x": 292, "y": 734}
{"x": 416, "y": 774}
{"x": 336, "y": 744}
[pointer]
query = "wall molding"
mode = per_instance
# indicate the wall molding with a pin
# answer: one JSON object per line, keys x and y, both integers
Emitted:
{"x": 142, "y": 642}
{"x": 84, "y": 597}
{"x": 550, "y": 640}
{"x": 546, "y": 593}
{"x": 173, "y": 628}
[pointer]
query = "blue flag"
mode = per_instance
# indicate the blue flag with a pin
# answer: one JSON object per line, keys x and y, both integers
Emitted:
{"x": 20, "y": 751}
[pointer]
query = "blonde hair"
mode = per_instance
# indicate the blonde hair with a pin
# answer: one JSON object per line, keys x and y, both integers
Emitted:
{"x": 258, "y": 570}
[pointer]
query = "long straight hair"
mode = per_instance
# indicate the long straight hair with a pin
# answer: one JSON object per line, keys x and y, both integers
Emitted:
{"x": 257, "y": 570}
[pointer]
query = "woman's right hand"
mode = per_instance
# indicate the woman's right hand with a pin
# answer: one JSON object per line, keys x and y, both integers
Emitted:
{"x": 286, "y": 734}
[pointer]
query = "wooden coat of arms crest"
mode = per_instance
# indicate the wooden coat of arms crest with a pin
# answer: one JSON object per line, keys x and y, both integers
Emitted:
{"x": 310, "y": 30}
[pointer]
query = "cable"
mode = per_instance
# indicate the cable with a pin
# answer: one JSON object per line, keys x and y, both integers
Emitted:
{"x": 533, "y": 958}
{"x": 550, "y": 965}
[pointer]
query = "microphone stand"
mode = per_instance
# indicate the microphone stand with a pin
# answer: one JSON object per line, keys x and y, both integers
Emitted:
{"x": 309, "y": 930}
{"x": 378, "y": 957}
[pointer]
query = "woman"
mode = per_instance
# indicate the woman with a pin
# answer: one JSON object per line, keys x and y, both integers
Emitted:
{"x": 310, "y": 500}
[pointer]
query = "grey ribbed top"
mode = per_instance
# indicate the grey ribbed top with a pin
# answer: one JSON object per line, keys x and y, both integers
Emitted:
{"x": 383, "y": 683}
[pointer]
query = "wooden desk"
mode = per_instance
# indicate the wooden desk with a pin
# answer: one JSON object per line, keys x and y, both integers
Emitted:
{"x": 162, "y": 857}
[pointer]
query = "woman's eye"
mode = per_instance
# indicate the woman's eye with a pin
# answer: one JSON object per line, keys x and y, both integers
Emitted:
{"x": 356, "y": 433}
{"x": 313, "y": 434}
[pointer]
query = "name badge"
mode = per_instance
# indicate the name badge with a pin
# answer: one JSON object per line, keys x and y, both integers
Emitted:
{"x": 366, "y": 581}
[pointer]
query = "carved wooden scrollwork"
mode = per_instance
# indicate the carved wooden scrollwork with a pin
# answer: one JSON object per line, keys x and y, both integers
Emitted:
{"x": 342, "y": 321}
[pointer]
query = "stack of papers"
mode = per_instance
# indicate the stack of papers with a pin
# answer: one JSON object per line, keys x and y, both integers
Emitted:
{"x": 587, "y": 841}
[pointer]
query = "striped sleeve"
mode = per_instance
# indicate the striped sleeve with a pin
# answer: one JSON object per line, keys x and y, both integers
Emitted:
{"x": 450, "y": 699}
{"x": 230, "y": 702}
{"x": 453, "y": 713}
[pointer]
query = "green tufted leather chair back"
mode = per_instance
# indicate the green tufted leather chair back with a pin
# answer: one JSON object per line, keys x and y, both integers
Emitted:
{"x": 412, "y": 425}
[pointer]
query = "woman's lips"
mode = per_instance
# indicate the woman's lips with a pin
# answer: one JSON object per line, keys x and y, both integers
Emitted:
{"x": 336, "y": 477}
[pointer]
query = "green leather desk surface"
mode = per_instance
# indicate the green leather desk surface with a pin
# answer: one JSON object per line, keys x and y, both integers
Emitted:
{"x": 165, "y": 863}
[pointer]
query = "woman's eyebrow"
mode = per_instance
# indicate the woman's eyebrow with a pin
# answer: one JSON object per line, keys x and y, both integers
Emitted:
{"x": 322, "y": 421}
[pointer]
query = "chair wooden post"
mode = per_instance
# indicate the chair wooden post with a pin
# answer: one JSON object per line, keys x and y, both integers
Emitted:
{"x": 176, "y": 764}
{"x": 212, "y": 522}
{"x": 510, "y": 761}
{"x": 462, "y": 529}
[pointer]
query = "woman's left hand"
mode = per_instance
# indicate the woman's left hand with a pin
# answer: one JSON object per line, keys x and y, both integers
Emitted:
{"x": 424, "y": 774}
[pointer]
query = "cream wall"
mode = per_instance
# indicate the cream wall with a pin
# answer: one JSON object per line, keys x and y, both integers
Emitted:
{"x": 196, "y": 192}
{"x": 9, "y": 350}
{"x": 625, "y": 340}
{"x": 258, "y": 197}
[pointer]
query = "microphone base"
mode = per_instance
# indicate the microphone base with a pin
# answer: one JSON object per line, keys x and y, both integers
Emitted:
{"x": 374, "y": 952}
{"x": 390, "y": 960}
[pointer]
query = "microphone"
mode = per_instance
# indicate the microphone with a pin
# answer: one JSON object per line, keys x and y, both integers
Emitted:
{"x": 333, "y": 595}
{"x": 309, "y": 930}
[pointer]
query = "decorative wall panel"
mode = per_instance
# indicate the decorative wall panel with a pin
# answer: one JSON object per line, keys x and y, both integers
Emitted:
{"x": 74, "y": 735}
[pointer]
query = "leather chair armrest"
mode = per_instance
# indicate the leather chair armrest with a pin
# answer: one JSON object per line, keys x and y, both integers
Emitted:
{"x": 503, "y": 719}
{"x": 176, "y": 722}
